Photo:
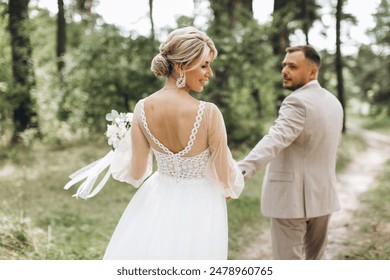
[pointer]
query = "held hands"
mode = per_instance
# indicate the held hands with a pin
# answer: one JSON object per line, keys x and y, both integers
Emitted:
{"x": 244, "y": 173}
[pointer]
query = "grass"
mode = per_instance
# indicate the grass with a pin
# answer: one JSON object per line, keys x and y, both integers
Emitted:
{"x": 371, "y": 240}
{"x": 351, "y": 145}
{"x": 47, "y": 220}
{"x": 245, "y": 220}
{"x": 379, "y": 123}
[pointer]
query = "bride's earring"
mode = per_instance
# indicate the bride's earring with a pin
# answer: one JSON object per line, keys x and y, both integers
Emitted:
{"x": 181, "y": 81}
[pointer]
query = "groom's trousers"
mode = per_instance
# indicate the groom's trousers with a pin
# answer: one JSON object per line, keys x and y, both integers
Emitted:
{"x": 299, "y": 239}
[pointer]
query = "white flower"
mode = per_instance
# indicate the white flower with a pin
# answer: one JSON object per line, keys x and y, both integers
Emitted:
{"x": 120, "y": 124}
{"x": 129, "y": 117}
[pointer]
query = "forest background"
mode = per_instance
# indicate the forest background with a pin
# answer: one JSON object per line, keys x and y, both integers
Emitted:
{"x": 61, "y": 74}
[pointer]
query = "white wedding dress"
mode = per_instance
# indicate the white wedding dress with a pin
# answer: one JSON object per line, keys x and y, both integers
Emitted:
{"x": 179, "y": 212}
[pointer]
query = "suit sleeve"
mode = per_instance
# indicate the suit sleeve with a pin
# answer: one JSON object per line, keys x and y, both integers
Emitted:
{"x": 288, "y": 126}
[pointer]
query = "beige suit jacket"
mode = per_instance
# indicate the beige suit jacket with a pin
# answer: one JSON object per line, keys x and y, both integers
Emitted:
{"x": 301, "y": 148}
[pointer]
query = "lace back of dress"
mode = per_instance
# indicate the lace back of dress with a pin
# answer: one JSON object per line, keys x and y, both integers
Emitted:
{"x": 175, "y": 164}
{"x": 182, "y": 167}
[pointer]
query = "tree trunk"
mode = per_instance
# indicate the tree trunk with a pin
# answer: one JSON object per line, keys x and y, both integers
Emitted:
{"x": 61, "y": 37}
{"x": 279, "y": 41}
{"x": 305, "y": 19}
{"x": 339, "y": 61}
{"x": 307, "y": 14}
{"x": 85, "y": 6}
{"x": 225, "y": 18}
{"x": 247, "y": 7}
{"x": 280, "y": 35}
{"x": 22, "y": 70}
{"x": 303, "y": 12}
{"x": 152, "y": 35}
{"x": 88, "y": 4}
{"x": 223, "y": 15}
{"x": 221, "y": 26}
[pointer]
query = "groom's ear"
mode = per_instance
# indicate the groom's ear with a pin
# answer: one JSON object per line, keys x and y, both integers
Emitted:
{"x": 314, "y": 71}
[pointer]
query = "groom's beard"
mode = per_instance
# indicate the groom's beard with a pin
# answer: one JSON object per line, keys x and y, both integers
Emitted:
{"x": 292, "y": 86}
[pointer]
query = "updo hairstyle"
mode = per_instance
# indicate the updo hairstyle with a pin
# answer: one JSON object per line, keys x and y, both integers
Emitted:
{"x": 182, "y": 47}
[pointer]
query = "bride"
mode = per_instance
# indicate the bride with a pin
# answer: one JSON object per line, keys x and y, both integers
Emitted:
{"x": 179, "y": 212}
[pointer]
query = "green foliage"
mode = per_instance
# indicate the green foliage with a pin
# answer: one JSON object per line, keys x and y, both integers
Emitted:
{"x": 381, "y": 30}
{"x": 351, "y": 146}
{"x": 104, "y": 70}
{"x": 244, "y": 74}
{"x": 107, "y": 71}
{"x": 372, "y": 71}
{"x": 371, "y": 67}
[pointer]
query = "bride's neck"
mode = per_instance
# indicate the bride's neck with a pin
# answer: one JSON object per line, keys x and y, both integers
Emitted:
{"x": 171, "y": 84}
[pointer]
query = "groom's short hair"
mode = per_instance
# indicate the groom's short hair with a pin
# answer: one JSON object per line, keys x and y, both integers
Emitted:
{"x": 309, "y": 52}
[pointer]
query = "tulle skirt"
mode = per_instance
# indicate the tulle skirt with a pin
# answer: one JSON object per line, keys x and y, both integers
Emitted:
{"x": 172, "y": 219}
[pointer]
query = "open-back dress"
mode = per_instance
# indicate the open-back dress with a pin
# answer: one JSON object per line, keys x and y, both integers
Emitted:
{"x": 179, "y": 211}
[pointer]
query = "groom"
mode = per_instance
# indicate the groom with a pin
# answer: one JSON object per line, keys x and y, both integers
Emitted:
{"x": 299, "y": 185}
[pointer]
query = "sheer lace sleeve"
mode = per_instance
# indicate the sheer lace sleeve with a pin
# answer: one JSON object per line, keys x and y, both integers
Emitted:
{"x": 132, "y": 161}
{"x": 222, "y": 166}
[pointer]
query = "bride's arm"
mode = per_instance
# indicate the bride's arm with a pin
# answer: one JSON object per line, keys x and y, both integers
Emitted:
{"x": 133, "y": 158}
{"x": 222, "y": 165}
{"x": 131, "y": 162}
{"x": 140, "y": 147}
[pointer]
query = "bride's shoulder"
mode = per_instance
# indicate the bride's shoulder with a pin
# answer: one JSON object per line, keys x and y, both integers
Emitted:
{"x": 141, "y": 102}
{"x": 137, "y": 106}
{"x": 211, "y": 107}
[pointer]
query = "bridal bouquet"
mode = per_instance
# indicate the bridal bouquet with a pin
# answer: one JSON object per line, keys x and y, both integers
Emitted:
{"x": 120, "y": 124}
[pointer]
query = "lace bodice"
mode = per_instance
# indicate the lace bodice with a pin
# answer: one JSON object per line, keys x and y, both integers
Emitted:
{"x": 182, "y": 167}
{"x": 176, "y": 164}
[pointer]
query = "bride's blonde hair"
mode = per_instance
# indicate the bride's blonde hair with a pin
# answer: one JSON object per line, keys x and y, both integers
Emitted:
{"x": 182, "y": 47}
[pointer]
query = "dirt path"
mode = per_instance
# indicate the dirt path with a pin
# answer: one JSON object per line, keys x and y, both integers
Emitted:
{"x": 357, "y": 178}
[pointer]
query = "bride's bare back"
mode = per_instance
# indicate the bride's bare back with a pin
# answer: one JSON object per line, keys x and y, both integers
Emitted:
{"x": 170, "y": 116}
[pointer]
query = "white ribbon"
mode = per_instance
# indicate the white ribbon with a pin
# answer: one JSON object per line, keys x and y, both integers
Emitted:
{"x": 117, "y": 162}
{"x": 90, "y": 173}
